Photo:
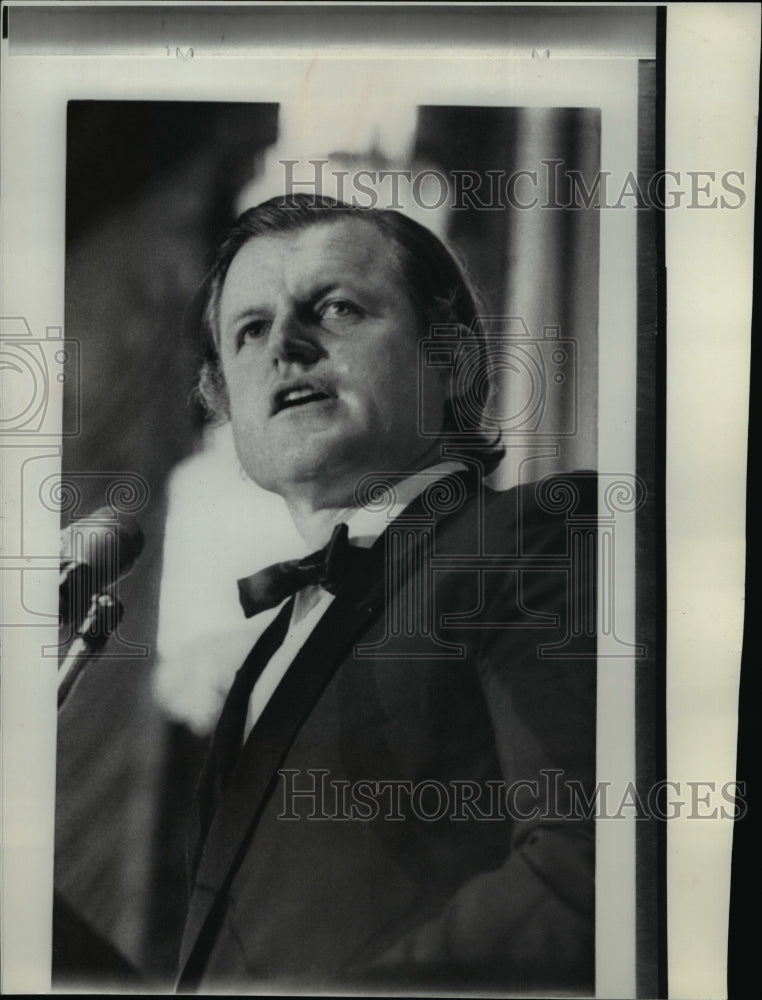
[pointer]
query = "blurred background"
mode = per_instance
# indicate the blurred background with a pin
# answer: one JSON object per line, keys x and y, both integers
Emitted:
{"x": 151, "y": 188}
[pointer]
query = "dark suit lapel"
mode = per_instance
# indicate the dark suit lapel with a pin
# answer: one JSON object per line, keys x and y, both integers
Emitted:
{"x": 225, "y": 744}
{"x": 345, "y": 621}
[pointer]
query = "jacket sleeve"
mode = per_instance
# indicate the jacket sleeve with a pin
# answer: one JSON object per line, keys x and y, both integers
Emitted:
{"x": 528, "y": 924}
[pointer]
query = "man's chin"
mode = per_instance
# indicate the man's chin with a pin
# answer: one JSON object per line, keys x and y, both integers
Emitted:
{"x": 320, "y": 471}
{"x": 330, "y": 470}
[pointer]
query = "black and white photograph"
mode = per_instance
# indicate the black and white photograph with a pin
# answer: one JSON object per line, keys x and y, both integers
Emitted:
{"x": 337, "y": 488}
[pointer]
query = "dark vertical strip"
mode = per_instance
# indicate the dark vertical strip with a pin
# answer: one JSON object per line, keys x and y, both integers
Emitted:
{"x": 649, "y": 674}
{"x": 650, "y": 704}
{"x": 5, "y": 22}
{"x": 660, "y": 472}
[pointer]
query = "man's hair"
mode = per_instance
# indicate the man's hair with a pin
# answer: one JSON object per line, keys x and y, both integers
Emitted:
{"x": 434, "y": 280}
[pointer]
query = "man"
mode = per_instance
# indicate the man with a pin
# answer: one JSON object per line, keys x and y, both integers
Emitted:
{"x": 385, "y": 803}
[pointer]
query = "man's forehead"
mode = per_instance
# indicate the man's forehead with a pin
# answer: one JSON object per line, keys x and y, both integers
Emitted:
{"x": 326, "y": 249}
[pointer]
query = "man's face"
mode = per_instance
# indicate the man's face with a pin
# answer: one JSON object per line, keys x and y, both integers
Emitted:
{"x": 319, "y": 349}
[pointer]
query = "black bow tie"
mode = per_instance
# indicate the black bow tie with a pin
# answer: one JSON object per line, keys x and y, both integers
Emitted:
{"x": 332, "y": 567}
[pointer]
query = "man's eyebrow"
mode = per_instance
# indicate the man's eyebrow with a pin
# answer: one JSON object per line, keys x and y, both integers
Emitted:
{"x": 246, "y": 313}
{"x": 318, "y": 293}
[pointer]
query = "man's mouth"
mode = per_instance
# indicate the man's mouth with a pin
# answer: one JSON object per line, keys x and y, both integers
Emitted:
{"x": 300, "y": 395}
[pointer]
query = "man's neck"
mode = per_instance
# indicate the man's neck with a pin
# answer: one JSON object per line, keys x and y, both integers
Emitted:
{"x": 315, "y": 524}
{"x": 316, "y": 513}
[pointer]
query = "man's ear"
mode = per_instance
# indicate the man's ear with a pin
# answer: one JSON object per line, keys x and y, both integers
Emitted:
{"x": 212, "y": 390}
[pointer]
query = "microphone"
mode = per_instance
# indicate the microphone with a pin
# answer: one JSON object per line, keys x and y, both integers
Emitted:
{"x": 95, "y": 552}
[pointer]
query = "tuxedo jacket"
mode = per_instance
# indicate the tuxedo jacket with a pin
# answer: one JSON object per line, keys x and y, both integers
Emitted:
{"x": 403, "y": 814}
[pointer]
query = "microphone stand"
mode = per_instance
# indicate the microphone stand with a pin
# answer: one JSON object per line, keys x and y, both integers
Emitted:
{"x": 90, "y": 637}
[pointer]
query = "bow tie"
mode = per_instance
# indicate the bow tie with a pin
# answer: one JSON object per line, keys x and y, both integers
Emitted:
{"x": 331, "y": 567}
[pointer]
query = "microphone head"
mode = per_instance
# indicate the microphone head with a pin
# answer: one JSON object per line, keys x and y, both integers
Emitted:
{"x": 95, "y": 552}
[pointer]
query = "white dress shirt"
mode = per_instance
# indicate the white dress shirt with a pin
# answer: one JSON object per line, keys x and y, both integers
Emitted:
{"x": 365, "y": 525}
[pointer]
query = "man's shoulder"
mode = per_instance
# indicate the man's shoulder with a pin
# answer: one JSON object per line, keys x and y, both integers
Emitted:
{"x": 557, "y": 493}
{"x": 537, "y": 512}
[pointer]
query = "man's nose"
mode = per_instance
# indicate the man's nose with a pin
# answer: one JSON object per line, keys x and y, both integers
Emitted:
{"x": 293, "y": 340}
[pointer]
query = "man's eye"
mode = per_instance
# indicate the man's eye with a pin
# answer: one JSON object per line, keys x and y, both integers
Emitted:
{"x": 250, "y": 332}
{"x": 339, "y": 309}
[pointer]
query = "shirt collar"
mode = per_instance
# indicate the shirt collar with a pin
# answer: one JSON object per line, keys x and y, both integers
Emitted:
{"x": 366, "y": 524}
